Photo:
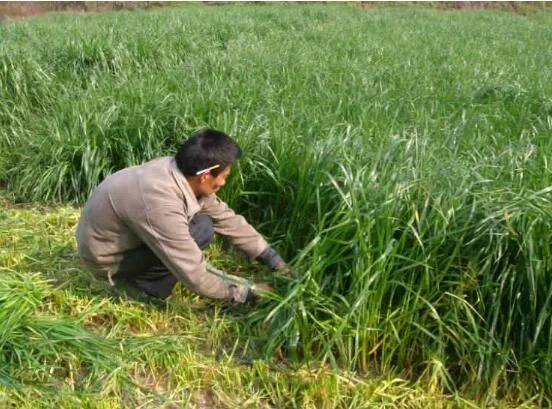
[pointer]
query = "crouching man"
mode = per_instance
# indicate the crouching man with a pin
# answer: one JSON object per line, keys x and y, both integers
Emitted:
{"x": 146, "y": 226}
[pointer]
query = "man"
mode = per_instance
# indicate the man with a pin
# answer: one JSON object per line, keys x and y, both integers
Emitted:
{"x": 146, "y": 226}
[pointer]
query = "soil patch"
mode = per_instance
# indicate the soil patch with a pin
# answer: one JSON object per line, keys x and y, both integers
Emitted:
{"x": 17, "y": 9}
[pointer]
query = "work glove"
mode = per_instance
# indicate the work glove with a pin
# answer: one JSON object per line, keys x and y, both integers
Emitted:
{"x": 272, "y": 259}
{"x": 284, "y": 269}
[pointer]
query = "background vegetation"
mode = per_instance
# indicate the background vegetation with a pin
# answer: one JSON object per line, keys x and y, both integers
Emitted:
{"x": 399, "y": 157}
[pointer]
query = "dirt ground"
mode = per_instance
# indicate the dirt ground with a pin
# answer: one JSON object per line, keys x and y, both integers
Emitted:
{"x": 521, "y": 7}
{"x": 19, "y": 9}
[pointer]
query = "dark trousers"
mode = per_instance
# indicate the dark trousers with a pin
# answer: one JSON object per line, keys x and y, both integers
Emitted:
{"x": 142, "y": 270}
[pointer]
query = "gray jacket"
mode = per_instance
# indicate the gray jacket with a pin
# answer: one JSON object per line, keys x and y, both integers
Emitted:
{"x": 152, "y": 204}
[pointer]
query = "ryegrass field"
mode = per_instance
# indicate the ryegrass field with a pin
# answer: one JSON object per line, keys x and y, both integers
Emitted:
{"x": 398, "y": 157}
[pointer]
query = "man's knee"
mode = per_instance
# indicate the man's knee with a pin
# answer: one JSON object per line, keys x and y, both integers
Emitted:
{"x": 202, "y": 230}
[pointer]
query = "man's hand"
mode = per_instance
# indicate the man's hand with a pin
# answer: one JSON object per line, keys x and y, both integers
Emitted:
{"x": 261, "y": 288}
{"x": 284, "y": 269}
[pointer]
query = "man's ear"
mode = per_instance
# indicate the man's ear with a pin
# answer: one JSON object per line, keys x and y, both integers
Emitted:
{"x": 203, "y": 177}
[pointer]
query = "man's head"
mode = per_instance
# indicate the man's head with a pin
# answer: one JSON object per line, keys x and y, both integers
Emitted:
{"x": 205, "y": 159}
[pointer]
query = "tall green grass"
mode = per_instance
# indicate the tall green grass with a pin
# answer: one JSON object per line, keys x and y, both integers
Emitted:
{"x": 399, "y": 157}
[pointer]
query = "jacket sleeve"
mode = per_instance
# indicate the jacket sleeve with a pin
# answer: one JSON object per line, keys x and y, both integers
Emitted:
{"x": 233, "y": 226}
{"x": 166, "y": 232}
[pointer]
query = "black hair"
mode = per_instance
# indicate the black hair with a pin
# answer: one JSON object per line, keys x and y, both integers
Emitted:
{"x": 206, "y": 148}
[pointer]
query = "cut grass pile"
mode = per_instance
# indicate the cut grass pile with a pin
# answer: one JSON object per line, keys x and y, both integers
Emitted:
{"x": 399, "y": 157}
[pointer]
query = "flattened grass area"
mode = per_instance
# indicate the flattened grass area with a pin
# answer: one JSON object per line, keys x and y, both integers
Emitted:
{"x": 66, "y": 342}
{"x": 399, "y": 158}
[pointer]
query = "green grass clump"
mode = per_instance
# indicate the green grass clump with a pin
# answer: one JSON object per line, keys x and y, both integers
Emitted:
{"x": 399, "y": 157}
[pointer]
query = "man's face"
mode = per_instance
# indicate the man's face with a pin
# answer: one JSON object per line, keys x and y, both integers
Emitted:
{"x": 210, "y": 184}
